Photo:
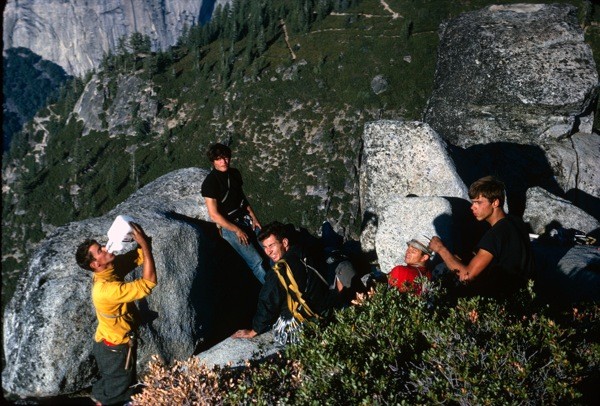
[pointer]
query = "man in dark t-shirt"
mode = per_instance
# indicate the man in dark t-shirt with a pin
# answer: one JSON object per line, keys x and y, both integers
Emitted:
{"x": 503, "y": 261}
{"x": 229, "y": 208}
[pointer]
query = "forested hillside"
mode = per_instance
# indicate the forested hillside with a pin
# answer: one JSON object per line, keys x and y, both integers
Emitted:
{"x": 28, "y": 84}
{"x": 290, "y": 84}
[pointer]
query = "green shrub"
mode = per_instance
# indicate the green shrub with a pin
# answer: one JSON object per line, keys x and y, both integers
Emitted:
{"x": 394, "y": 348}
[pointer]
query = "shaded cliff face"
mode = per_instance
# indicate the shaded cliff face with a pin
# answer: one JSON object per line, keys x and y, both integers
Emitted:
{"x": 76, "y": 34}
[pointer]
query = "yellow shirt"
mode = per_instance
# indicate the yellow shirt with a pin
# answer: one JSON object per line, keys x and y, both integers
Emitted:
{"x": 113, "y": 297}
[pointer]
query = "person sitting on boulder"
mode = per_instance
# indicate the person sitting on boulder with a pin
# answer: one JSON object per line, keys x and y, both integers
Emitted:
{"x": 229, "y": 208}
{"x": 294, "y": 292}
{"x": 416, "y": 257}
{"x": 113, "y": 299}
{"x": 503, "y": 261}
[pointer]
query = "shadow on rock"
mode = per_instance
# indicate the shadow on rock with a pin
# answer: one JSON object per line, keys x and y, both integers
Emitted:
{"x": 460, "y": 230}
{"x": 225, "y": 292}
{"x": 518, "y": 166}
{"x": 586, "y": 202}
{"x": 567, "y": 275}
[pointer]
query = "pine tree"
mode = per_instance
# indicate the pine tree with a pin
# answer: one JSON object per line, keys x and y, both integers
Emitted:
{"x": 140, "y": 43}
{"x": 122, "y": 52}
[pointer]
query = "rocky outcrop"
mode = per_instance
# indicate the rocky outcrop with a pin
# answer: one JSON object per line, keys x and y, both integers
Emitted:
{"x": 513, "y": 85}
{"x": 379, "y": 84}
{"x": 587, "y": 148}
{"x": 543, "y": 208}
{"x": 76, "y": 34}
{"x": 574, "y": 163}
{"x": 401, "y": 159}
{"x": 50, "y": 322}
{"x": 565, "y": 274}
{"x": 131, "y": 110}
{"x": 513, "y": 73}
{"x": 235, "y": 352}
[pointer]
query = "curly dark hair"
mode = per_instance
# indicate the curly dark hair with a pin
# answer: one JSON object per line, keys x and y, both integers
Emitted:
{"x": 216, "y": 151}
{"x": 275, "y": 228}
{"x": 83, "y": 255}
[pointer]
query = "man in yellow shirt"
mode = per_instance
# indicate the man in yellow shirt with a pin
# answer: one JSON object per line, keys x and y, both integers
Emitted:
{"x": 113, "y": 299}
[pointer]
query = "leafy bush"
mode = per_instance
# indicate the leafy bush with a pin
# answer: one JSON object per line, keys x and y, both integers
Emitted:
{"x": 394, "y": 348}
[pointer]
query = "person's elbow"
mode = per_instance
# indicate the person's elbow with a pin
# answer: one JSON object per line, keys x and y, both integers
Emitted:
{"x": 213, "y": 216}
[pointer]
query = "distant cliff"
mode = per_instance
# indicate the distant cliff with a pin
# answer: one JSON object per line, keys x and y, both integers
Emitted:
{"x": 76, "y": 34}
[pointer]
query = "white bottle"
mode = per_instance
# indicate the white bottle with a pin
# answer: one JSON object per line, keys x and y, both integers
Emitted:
{"x": 118, "y": 233}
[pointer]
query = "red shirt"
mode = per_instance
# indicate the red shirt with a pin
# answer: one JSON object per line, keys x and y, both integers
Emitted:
{"x": 403, "y": 276}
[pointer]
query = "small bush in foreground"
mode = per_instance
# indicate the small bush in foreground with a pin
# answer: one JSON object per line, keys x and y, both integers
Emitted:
{"x": 184, "y": 383}
{"x": 394, "y": 348}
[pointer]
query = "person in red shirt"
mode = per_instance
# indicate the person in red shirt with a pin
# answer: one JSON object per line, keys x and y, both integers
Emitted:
{"x": 416, "y": 258}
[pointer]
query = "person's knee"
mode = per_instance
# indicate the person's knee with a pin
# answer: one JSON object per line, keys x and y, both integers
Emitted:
{"x": 344, "y": 274}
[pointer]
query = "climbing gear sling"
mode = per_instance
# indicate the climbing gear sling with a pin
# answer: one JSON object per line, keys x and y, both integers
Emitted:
{"x": 295, "y": 301}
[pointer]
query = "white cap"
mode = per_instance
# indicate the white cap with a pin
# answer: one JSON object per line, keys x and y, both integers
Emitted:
{"x": 420, "y": 246}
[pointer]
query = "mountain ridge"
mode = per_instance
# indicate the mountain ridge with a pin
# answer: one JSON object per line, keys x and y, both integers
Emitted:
{"x": 53, "y": 29}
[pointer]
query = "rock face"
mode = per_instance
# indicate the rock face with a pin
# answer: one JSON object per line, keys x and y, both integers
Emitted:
{"x": 575, "y": 164}
{"x": 400, "y": 159}
{"x": 544, "y": 208}
{"x": 131, "y": 110}
{"x": 49, "y": 325}
{"x": 567, "y": 275}
{"x": 574, "y": 161}
{"x": 53, "y": 28}
{"x": 379, "y": 84}
{"x": 564, "y": 275}
{"x": 405, "y": 218}
{"x": 514, "y": 85}
{"x": 515, "y": 73}
{"x": 587, "y": 148}
{"x": 235, "y": 352}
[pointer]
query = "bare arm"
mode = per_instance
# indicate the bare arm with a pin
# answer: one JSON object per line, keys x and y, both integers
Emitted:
{"x": 465, "y": 272}
{"x": 148, "y": 267}
{"x": 213, "y": 212}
